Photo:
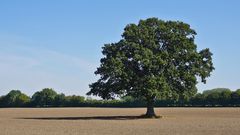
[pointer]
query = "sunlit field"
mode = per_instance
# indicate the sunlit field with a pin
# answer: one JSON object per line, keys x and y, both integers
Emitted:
{"x": 119, "y": 121}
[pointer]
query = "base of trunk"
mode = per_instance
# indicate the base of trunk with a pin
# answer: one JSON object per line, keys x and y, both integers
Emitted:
{"x": 150, "y": 111}
{"x": 150, "y": 108}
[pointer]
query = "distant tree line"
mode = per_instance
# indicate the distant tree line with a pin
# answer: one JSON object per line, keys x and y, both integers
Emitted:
{"x": 50, "y": 98}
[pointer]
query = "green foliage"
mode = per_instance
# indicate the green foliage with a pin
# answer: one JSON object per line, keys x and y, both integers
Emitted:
{"x": 15, "y": 99}
{"x": 60, "y": 100}
{"x": 235, "y": 97}
{"x": 238, "y": 92}
{"x": 217, "y": 96}
{"x": 44, "y": 98}
{"x": 11, "y": 97}
{"x": 213, "y": 97}
{"x": 225, "y": 97}
{"x": 128, "y": 98}
{"x": 199, "y": 99}
{"x": 74, "y": 100}
{"x": 1, "y": 101}
{"x": 154, "y": 59}
{"x": 22, "y": 100}
{"x": 216, "y": 90}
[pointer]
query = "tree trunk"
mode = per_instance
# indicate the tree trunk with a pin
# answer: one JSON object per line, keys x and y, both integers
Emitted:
{"x": 150, "y": 109}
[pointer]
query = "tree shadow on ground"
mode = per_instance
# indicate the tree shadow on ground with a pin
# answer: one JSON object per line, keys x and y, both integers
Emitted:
{"x": 87, "y": 118}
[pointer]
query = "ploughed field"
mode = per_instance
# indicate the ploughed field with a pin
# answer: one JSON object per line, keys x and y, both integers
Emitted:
{"x": 119, "y": 121}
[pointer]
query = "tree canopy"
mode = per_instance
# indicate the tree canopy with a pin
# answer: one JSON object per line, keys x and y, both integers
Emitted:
{"x": 154, "y": 58}
{"x": 15, "y": 98}
{"x": 216, "y": 90}
{"x": 44, "y": 98}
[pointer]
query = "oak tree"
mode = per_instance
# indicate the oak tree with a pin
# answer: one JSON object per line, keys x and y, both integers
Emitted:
{"x": 153, "y": 58}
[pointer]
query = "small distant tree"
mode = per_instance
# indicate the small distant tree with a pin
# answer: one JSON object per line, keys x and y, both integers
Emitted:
{"x": 59, "y": 100}
{"x": 216, "y": 90}
{"x": 213, "y": 99}
{"x": 153, "y": 57}
{"x": 22, "y": 100}
{"x": 44, "y": 98}
{"x": 198, "y": 99}
{"x": 11, "y": 97}
{"x": 225, "y": 97}
{"x": 218, "y": 96}
{"x": 15, "y": 98}
{"x": 235, "y": 97}
{"x": 74, "y": 100}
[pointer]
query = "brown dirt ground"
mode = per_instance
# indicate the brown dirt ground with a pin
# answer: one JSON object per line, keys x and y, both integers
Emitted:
{"x": 119, "y": 121}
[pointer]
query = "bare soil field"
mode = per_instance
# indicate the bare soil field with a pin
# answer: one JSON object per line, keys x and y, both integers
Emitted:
{"x": 119, "y": 121}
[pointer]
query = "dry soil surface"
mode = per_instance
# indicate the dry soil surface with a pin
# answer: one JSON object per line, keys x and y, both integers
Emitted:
{"x": 119, "y": 121}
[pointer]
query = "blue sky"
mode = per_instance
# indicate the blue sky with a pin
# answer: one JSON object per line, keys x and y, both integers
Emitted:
{"x": 57, "y": 43}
